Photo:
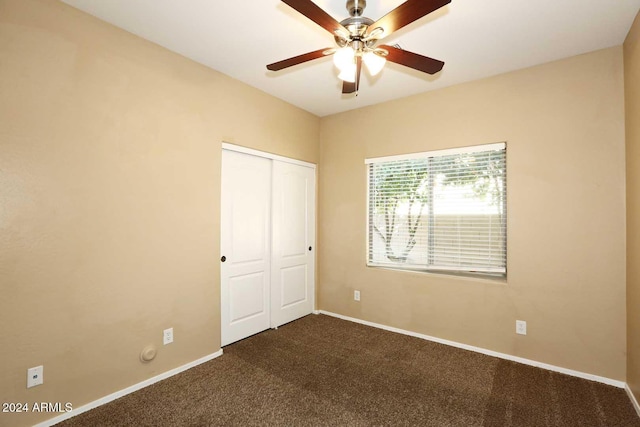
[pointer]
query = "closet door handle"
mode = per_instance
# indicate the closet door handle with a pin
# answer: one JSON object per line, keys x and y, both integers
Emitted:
{"x": 223, "y": 259}
{"x": 310, "y": 248}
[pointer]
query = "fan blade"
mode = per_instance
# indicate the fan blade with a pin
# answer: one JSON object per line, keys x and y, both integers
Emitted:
{"x": 405, "y": 14}
{"x": 276, "y": 66}
{"x": 317, "y": 15}
{"x": 413, "y": 60}
{"x": 358, "y": 71}
{"x": 348, "y": 87}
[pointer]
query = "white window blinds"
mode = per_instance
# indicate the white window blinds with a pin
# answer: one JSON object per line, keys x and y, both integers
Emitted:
{"x": 441, "y": 210}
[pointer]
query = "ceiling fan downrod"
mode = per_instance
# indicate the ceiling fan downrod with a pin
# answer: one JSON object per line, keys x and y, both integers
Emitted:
{"x": 355, "y": 7}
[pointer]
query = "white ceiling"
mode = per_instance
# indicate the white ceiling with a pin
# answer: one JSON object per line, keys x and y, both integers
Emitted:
{"x": 474, "y": 38}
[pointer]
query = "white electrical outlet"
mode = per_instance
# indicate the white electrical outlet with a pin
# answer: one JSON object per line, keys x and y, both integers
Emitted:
{"x": 167, "y": 336}
{"x": 521, "y": 327}
{"x": 356, "y": 295}
{"x": 35, "y": 376}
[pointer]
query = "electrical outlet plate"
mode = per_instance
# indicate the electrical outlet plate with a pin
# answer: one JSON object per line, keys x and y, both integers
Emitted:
{"x": 35, "y": 376}
{"x": 356, "y": 295}
{"x": 167, "y": 336}
{"x": 521, "y": 327}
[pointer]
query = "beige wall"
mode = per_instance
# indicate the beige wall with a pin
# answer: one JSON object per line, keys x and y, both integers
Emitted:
{"x": 564, "y": 126}
{"x": 632, "y": 104}
{"x": 109, "y": 200}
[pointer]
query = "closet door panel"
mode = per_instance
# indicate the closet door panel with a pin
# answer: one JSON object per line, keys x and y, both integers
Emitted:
{"x": 245, "y": 240}
{"x": 293, "y": 228}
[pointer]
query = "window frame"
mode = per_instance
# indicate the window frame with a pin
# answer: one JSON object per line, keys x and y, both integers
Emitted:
{"x": 453, "y": 271}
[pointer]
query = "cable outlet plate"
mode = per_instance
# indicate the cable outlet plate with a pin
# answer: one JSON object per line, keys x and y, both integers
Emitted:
{"x": 35, "y": 376}
{"x": 167, "y": 336}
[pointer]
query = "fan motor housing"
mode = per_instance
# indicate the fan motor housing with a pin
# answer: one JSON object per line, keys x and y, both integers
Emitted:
{"x": 357, "y": 26}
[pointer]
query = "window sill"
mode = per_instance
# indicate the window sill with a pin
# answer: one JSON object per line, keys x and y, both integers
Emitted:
{"x": 472, "y": 277}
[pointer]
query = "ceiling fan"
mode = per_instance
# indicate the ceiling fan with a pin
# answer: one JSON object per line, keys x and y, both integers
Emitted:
{"x": 357, "y": 39}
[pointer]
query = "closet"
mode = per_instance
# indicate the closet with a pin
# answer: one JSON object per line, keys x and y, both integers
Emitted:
{"x": 267, "y": 241}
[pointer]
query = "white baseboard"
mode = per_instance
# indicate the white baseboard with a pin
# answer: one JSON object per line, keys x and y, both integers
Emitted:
{"x": 128, "y": 390}
{"x": 604, "y": 380}
{"x": 634, "y": 402}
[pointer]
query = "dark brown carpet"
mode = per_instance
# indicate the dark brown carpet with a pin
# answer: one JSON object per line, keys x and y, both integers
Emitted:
{"x": 324, "y": 371}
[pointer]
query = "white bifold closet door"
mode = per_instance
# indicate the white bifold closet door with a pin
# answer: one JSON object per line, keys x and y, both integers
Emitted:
{"x": 267, "y": 237}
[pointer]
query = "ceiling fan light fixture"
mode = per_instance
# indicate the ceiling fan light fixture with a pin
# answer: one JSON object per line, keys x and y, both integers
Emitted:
{"x": 374, "y": 62}
{"x": 343, "y": 58}
{"x": 348, "y": 73}
{"x": 356, "y": 38}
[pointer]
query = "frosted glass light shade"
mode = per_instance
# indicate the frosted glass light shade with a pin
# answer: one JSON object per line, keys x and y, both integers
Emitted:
{"x": 343, "y": 57}
{"x": 348, "y": 73}
{"x": 374, "y": 62}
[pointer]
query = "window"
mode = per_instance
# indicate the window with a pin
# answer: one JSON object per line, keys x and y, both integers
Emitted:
{"x": 439, "y": 211}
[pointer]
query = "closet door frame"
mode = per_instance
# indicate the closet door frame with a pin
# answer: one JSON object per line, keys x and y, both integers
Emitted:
{"x": 258, "y": 153}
